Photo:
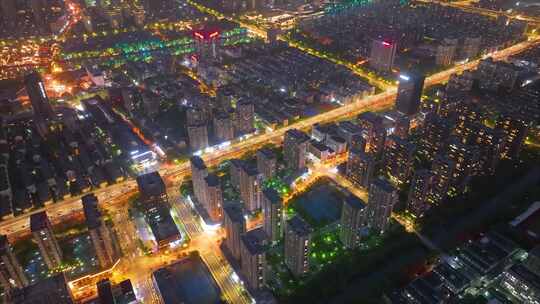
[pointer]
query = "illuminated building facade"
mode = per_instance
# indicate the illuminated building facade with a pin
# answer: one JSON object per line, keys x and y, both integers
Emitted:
{"x": 198, "y": 174}
{"x": 353, "y": 221}
{"x": 434, "y": 135}
{"x": 515, "y": 131}
{"x": 360, "y": 167}
{"x": 417, "y": 201}
{"x": 297, "y": 241}
{"x": 100, "y": 234}
{"x": 250, "y": 188}
{"x": 272, "y": 214}
{"x": 253, "y": 258}
{"x": 213, "y": 197}
{"x": 223, "y": 127}
{"x": 373, "y": 132}
{"x": 294, "y": 149}
{"x": 443, "y": 169}
{"x": 382, "y": 55}
{"x": 43, "y": 235}
{"x": 244, "y": 117}
{"x": 266, "y": 162}
{"x": 11, "y": 273}
{"x": 382, "y": 198}
{"x": 398, "y": 159}
{"x": 235, "y": 225}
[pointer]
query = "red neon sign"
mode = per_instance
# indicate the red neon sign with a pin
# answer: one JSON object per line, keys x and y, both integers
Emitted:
{"x": 386, "y": 43}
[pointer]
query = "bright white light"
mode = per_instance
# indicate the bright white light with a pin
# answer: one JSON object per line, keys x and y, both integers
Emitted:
{"x": 282, "y": 89}
{"x": 334, "y": 170}
{"x": 404, "y": 77}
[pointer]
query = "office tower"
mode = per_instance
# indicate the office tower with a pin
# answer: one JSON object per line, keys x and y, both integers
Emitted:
{"x": 244, "y": 122}
{"x": 382, "y": 55}
{"x": 223, "y": 127}
{"x": 213, "y": 201}
{"x": 490, "y": 143}
{"x": 51, "y": 290}
{"x": 235, "y": 226}
{"x": 38, "y": 96}
{"x": 272, "y": 214}
{"x": 198, "y": 137}
{"x": 235, "y": 170}
{"x": 266, "y": 162}
{"x": 294, "y": 149}
{"x": 382, "y": 198}
{"x": 152, "y": 189}
{"x": 409, "y": 93}
{"x": 373, "y": 132}
{"x": 417, "y": 201}
{"x": 360, "y": 167}
{"x": 515, "y": 131}
{"x": 9, "y": 13}
{"x": 434, "y": 135}
{"x": 250, "y": 188}
{"x": 297, "y": 241}
{"x": 353, "y": 221}
{"x": 253, "y": 258}
{"x": 43, "y": 235}
{"x": 198, "y": 174}
{"x": 466, "y": 158}
{"x": 443, "y": 170}
{"x": 11, "y": 273}
{"x": 398, "y": 159}
{"x": 100, "y": 234}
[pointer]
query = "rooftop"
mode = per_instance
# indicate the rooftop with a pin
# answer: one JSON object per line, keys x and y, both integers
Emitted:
{"x": 39, "y": 221}
{"x": 151, "y": 184}
{"x": 299, "y": 226}
{"x": 254, "y": 240}
{"x": 187, "y": 281}
{"x": 91, "y": 211}
{"x": 272, "y": 195}
{"x": 234, "y": 212}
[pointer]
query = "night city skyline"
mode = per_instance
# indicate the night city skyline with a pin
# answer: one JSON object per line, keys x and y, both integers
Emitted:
{"x": 269, "y": 151}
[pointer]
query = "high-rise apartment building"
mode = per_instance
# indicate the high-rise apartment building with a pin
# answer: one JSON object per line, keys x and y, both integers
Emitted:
{"x": 297, "y": 241}
{"x": 11, "y": 273}
{"x": 294, "y": 149}
{"x": 100, "y": 234}
{"x": 43, "y": 235}
{"x": 266, "y": 162}
{"x": 213, "y": 197}
{"x": 250, "y": 188}
{"x": 198, "y": 174}
{"x": 382, "y": 198}
{"x": 253, "y": 258}
{"x": 398, "y": 159}
{"x": 272, "y": 214}
{"x": 360, "y": 167}
{"x": 235, "y": 225}
{"x": 353, "y": 221}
